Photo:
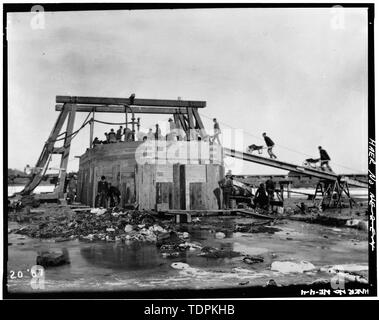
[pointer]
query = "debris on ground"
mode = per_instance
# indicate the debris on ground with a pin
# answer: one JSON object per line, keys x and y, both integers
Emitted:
{"x": 220, "y": 235}
{"x": 257, "y": 227}
{"x": 64, "y": 224}
{"x": 253, "y": 259}
{"x": 180, "y": 266}
{"x": 210, "y": 252}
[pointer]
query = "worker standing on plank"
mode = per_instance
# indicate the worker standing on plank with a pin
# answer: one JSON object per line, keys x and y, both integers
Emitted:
{"x": 270, "y": 188}
{"x": 150, "y": 135}
{"x": 128, "y": 135}
{"x": 216, "y": 130}
{"x": 112, "y": 136}
{"x": 171, "y": 135}
{"x": 158, "y": 133}
{"x": 324, "y": 158}
{"x": 102, "y": 193}
{"x": 95, "y": 142}
{"x": 106, "y": 141}
{"x": 226, "y": 184}
{"x": 119, "y": 134}
{"x": 270, "y": 144}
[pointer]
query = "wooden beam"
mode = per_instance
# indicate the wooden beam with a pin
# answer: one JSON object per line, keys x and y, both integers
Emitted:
{"x": 190, "y": 119}
{"x": 136, "y": 102}
{"x": 121, "y": 109}
{"x": 281, "y": 165}
{"x": 46, "y": 151}
{"x": 66, "y": 153}
{"x": 91, "y": 130}
{"x": 58, "y": 150}
{"x": 184, "y": 125}
{"x": 199, "y": 123}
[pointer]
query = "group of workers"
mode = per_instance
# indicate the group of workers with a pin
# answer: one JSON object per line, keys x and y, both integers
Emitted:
{"x": 324, "y": 156}
{"x": 263, "y": 197}
{"x": 107, "y": 194}
{"x": 175, "y": 134}
{"x": 114, "y": 137}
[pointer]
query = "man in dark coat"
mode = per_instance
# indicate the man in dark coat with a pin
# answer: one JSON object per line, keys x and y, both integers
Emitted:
{"x": 95, "y": 142}
{"x": 226, "y": 184}
{"x": 119, "y": 134}
{"x": 270, "y": 144}
{"x": 261, "y": 198}
{"x": 114, "y": 195}
{"x": 324, "y": 158}
{"x": 102, "y": 193}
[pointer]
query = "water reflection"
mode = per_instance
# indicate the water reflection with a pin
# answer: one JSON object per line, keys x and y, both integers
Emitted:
{"x": 133, "y": 256}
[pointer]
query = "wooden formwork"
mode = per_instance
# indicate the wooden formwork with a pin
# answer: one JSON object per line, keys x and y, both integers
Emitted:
{"x": 157, "y": 186}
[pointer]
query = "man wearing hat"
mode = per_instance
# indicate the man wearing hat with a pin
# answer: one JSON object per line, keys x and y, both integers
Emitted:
{"x": 226, "y": 184}
{"x": 324, "y": 157}
{"x": 171, "y": 134}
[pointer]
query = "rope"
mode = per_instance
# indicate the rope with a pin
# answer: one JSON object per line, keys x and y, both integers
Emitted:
{"x": 111, "y": 123}
{"x": 77, "y": 131}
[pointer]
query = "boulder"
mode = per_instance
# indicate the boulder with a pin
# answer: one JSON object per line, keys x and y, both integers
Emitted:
{"x": 53, "y": 259}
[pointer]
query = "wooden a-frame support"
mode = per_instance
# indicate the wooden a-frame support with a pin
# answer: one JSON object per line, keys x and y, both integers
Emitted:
{"x": 331, "y": 194}
{"x": 189, "y": 121}
{"x": 49, "y": 149}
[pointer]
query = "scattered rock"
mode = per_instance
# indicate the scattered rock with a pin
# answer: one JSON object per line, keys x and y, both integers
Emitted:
{"x": 128, "y": 228}
{"x": 168, "y": 238}
{"x": 180, "y": 265}
{"x": 220, "y": 235}
{"x": 210, "y": 252}
{"x": 53, "y": 259}
{"x": 271, "y": 283}
{"x": 98, "y": 211}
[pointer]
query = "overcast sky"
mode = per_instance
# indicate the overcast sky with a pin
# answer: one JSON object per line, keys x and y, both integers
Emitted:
{"x": 289, "y": 72}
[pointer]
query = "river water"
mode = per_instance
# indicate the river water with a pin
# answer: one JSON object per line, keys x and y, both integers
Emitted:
{"x": 110, "y": 266}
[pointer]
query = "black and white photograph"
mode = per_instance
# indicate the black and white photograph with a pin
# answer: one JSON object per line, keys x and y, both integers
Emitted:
{"x": 168, "y": 151}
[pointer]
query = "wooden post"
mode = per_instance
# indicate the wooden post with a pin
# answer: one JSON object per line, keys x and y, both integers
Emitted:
{"x": 66, "y": 153}
{"x": 199, "y": 123}
{"x": 91, "y": 130}
{"x": 289, "y": 190}
{"x": 46, "y": 151}
{"x": 126, "y": 120}
{"x": 133, "y": 126}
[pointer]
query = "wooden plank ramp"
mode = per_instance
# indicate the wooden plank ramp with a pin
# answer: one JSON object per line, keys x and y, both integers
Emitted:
{"x": 201, "y": 213}
{"x": 254, "y": 214}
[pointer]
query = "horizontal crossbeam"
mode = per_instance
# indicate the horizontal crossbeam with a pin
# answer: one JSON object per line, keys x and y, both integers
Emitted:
{"x": 121, "y": 109}
{"x": 135, "y": 102}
